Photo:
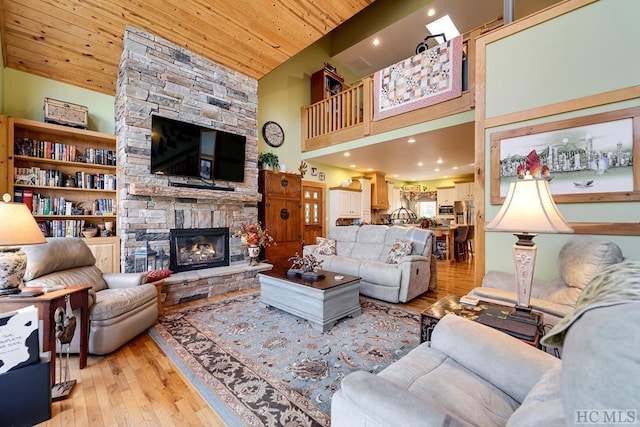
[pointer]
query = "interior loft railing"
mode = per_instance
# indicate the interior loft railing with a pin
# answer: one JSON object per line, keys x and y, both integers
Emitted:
{"x": 340, "y": 111}
{"x": 348, "y": 115}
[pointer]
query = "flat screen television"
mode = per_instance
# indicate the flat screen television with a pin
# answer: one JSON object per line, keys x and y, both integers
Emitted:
{"x": 189, "y": 150}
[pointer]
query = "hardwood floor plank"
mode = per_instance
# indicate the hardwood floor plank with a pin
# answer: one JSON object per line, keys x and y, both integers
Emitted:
{"x": 138, "y": 385}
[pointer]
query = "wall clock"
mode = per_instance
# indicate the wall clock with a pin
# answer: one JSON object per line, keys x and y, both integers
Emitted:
{"x": 273, "y": 134}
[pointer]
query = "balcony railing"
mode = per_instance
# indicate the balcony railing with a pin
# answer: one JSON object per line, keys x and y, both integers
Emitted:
{"x": 348, "y": 115}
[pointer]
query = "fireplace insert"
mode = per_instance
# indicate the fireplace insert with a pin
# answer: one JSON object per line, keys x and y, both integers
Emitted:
{"x": 196, "y": 248}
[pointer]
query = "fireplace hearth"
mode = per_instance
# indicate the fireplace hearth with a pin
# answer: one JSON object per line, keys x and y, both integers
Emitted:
{"x": 197, "y": 248}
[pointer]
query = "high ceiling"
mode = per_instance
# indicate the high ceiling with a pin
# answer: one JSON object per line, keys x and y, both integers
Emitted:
{"x": 80, "y": 42}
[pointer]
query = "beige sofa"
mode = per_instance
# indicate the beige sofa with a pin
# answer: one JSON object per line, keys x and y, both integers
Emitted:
{"x": 121, "y": 306}
{"x": 363, "y": 251}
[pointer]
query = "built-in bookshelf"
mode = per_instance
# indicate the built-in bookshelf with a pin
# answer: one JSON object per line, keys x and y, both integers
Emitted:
{"x": 65, "y": 175}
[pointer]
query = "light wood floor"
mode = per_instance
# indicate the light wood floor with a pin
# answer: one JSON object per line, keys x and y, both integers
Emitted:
{"x": 139, "y": 386}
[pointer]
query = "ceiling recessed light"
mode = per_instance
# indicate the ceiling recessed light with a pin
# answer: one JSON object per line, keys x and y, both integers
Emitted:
{"x": 395, "y": 175}
{"x": 347, "y": 154}
{"x": 431, "y": 12}
{"x": 411, "y": 140}
{"x": 352, "y": 166}
{"x": 439, "y": 161}
{"x": 420, "y": 164}
{"x": 455, "y": 168}
{"x": 369, "y": 169}
{"x": 436, "y": 170}
{"x": 376, "y": 41}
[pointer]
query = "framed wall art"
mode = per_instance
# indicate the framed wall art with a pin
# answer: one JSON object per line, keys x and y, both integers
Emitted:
{"x": 584, "y": 159}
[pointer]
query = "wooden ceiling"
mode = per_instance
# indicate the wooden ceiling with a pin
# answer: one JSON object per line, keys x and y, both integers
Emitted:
{"x": 80, "y": 41}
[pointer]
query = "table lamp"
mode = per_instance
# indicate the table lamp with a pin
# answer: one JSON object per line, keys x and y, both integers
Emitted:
{"x": 528, "y": 209}
{"x": 18, "y": 228}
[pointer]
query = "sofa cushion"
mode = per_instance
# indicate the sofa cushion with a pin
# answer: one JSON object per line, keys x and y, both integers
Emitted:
{"x": 79, "y": 276}
{"x": 59, "y": 253}
{"x": 112, "y": 303}
{"x": 581, "y": 258}
{"x": 341, "y": 264}
{"x": 369, "y": 242}
{"x": 398, "y": 250}
{"x": 325, "y": 246}
{"x": 345, "y": 238}
{"x": 543, "y": 404}
{"x": 380, "y": 273}
{"x": 432, "y": 376}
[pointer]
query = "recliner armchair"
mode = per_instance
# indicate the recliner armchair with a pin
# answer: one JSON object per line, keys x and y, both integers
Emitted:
{"x": 121, "y": 305}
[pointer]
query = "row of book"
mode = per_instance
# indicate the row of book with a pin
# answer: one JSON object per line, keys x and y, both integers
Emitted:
{"x": 59, "y": 151}
{"x": 55, "y": 178}
{"x": 43, "y": 205}
{"x": 62, "y": 227}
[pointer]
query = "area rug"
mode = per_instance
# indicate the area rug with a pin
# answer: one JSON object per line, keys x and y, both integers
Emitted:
{"x": 260, "y": 366}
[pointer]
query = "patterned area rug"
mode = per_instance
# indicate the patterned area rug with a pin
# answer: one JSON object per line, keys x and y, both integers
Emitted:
{"x": 258, "y": 365}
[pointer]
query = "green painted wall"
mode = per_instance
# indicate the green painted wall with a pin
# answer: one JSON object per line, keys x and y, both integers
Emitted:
{"x": 24, "y": 97}
{"x": 560, "y": 60}
{"x": 1, "y": 79}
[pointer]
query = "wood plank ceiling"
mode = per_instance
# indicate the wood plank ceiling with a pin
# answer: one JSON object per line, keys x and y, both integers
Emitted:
{"x": 80, "y": 41}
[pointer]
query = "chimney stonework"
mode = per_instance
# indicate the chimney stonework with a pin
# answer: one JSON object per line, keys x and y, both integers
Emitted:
{"x": 156, "y": 76}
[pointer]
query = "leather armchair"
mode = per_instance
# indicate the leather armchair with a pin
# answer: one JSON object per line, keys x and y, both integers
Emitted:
{"x": 121, "y": 305}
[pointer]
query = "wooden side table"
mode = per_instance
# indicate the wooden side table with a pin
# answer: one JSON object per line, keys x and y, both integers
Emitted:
{"x": 430, "y": 317}
{"x": 47, "y": 305}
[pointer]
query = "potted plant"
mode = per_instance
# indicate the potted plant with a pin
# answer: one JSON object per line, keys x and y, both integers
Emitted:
{"x": 268, "y": 160}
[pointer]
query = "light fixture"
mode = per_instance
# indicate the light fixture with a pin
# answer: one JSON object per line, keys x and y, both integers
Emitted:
{"x": 439, "y": 161}
{"x": 376, "y": 41}
{"x": 455, "y": 168}
{"x": 420, "y": 164}
{"x": 431, "y": 12}
{"x": 347, "y": 154}
{"x": 528, "y": 209}
{"x": 18, "y": 229}
{"x": 411, "y": 140}
{"x": 401, "y": 216}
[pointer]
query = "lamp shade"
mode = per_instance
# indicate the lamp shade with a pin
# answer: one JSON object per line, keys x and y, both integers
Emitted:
{"x": 529, "y": 208}
{"x": 18, "y": 227}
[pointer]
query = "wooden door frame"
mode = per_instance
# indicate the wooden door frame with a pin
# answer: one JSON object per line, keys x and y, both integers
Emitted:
{"x": 323, "y": 187}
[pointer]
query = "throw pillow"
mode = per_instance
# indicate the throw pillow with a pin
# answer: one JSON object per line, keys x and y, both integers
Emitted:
{"x": 155, "y": 275}
{"x": 325, "y": 246}
{"x": 398, "y": 250}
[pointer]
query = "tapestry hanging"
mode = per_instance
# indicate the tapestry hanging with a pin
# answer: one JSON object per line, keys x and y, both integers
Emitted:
{"x": 428, "y": 78}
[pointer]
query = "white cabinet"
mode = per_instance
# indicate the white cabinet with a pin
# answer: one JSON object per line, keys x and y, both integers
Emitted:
{"x": 394, "y": 198}
{"x": 464, "y": 191}
{"x": 366, "y": 199}
{"x": 446, "y": 196}
{"x": 345, "y": 203}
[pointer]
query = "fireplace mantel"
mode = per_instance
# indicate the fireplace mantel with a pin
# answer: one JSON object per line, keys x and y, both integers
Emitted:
{"x": 195, "y": 193}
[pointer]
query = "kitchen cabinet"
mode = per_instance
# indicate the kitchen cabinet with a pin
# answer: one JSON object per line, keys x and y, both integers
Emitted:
{"x": 394, "y": 198}
{"x": 445, "y": 196}
{"x": 365, "y": 198}
{"x": 464, "y": 191}
{"x": 345, "y": 202}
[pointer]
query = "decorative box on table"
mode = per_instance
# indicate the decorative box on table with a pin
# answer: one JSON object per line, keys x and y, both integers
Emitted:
{"x": 65, "y": 113}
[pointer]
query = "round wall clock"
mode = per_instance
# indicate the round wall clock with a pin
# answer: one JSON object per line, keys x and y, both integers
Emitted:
{"x": 273, "y": 134}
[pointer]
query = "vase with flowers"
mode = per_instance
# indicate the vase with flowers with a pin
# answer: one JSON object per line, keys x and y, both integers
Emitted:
{"x": 256, "y": 238}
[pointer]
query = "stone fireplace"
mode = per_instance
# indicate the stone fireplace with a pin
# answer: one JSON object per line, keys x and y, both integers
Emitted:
{"x": 156, "y": 76}
{"x": 197, "y": 248}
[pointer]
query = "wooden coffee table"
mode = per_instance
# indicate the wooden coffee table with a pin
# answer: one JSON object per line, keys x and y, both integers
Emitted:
{"x": 322, "y": 302}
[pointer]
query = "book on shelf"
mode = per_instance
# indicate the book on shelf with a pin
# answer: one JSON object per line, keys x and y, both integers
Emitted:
{"x": 27, "y": 199}
{"x": 17, "y": 195}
